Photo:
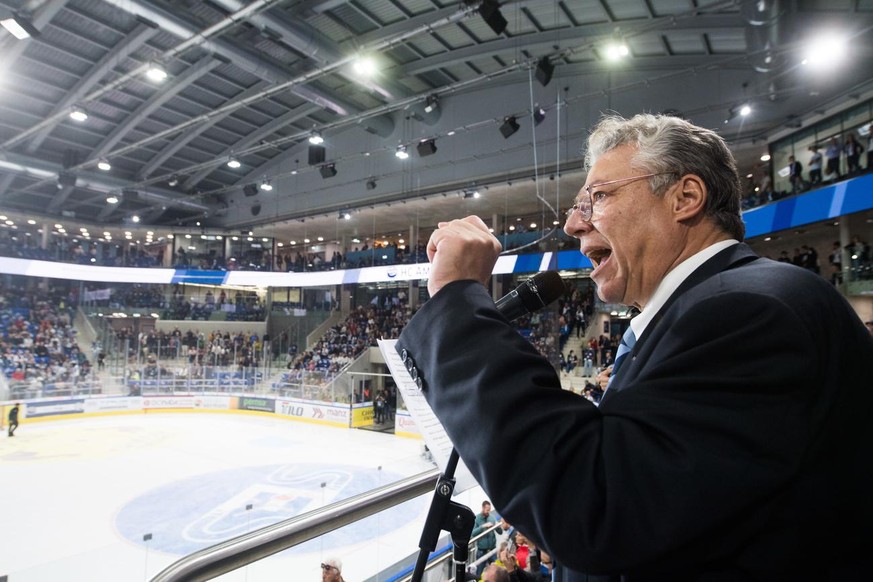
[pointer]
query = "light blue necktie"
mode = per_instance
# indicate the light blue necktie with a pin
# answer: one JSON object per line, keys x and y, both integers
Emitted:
{"x": 624, "y": 348}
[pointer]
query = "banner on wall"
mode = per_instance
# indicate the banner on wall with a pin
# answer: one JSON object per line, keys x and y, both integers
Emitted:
{"x": 212, "y": 402}
{"x": 312, "y": 411}
{"x": 363, "y": 414}
{"x": 54, "y": 407}
{"x": 113, "y": 404}
{"x": 405, "y": 426}
{"x": 256, "y": 403}
{"x": 97, "y": 295}
{"x": 154, "y": 402}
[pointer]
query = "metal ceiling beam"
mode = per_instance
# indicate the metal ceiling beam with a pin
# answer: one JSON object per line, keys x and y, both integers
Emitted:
{"x": 12, "y": 49}
{"x": 253, "y": 137}
{"x": 185, "y": 137}
{"x": 21, "y": 165}
{"x": 133, "y": 41}
{"x": 252, "y": 62}
{"x": 5, "y": 183}
{"x": 108, "y": 211}
{"x": 195, "y": 40}
{"x": 309, "y": 41}
{"x": 568, "y": 38}
{"x": 60, "y": 198}
{"x": 163, "y": 95}
{"x": 366, "y": 118}
{"x": 294, "y": 32}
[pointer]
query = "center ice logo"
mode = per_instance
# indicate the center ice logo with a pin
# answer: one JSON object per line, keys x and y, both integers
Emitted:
{"x": 200, "y": 511}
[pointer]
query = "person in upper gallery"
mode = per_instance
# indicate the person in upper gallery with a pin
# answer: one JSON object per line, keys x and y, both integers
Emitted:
{"x": 734, "y": 440}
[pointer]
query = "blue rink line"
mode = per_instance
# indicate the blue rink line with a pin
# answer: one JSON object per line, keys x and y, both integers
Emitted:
{"x": 191, "y": 514}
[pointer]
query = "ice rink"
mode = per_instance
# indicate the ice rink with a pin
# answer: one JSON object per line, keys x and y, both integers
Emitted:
{"x": 78, "y": 496}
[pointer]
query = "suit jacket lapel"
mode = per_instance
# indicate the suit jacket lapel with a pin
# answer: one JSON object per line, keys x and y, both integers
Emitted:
{"x": 729, "y": 258}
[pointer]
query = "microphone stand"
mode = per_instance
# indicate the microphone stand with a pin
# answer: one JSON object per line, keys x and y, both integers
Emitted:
{"x": 445, "y": 514}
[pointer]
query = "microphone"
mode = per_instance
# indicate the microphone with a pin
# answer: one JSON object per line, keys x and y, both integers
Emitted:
{"x": 532, "y": 295}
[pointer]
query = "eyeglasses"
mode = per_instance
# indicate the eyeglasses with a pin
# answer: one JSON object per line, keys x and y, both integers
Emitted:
{"x": 328, "y": 567}
{"x": 584, "y": 205}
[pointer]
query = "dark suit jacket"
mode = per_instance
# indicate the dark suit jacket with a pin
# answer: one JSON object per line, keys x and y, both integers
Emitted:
{"x": 736, "y": 444}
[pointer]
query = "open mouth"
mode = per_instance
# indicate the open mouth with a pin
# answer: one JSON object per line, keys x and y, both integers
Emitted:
{"x": 598, "y": 256}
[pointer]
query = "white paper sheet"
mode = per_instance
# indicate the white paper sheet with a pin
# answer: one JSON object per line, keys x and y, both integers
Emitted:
{"x": 434, "y": 434}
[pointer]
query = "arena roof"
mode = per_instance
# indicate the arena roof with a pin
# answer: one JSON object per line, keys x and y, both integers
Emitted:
{"x": 253, "y": 81}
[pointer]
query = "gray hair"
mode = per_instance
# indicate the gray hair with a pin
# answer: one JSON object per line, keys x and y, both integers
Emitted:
{"x": 674, "y": 146}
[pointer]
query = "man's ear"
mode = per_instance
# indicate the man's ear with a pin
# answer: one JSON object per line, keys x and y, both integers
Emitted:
{"x": 688, "y": 197}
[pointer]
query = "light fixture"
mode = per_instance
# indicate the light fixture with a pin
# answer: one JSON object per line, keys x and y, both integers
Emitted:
{"x": 509, "y": 126}
{"x": 134, "y": 218}
{"x": 426, "y": 147}
{"x": 826, "y": 50}
{"x": 344, "y": 215}
{"x": 174, "y": 181}
{"x": 365, "y": 66}
{"x": 745, "y": 109}
{"x": 104, "y": 165}
{"x": 539, "y": 114}
{"x": 78, "y": 114}
{"x": 765, "y": 158}
{"x": 156, "y": 72}
{"x": 266, "y": 186}
{"x": 19, "y": 26}
{"x": 432, "y": 103}
{"x": 112, "y": 199}
{"x": 616, "y": 51}
{"x": 544, "y": 71}
{"x": 232, "y": 162}
{"x": 315, "y": 138}
{"x": 401, "y": 152}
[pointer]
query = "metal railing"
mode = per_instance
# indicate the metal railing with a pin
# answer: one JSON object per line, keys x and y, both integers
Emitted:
{"x": 245, "y": 549}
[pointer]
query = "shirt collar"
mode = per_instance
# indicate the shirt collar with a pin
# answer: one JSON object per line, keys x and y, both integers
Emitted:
{"x": 671, "y": 282}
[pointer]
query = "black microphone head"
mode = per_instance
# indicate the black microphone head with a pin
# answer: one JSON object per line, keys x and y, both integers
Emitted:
{"x": 541, "y": 290}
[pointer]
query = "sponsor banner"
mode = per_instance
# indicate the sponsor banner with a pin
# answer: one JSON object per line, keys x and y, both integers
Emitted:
{"x": 213, "y": 402}
{"x": 395, "y": 273}
{"x": 363, "y": 414}
{"x": 316, "y": 411}
{"x": 97, "y": 295}
{"x": 403, "y": 423}
{"x": 54, "y": 407}
{"x": 113, "y": 404}
{"x": 256, "y": 403}
{"x": 153, "y": 402}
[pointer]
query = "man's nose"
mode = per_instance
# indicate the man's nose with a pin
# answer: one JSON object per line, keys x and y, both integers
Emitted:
{"x": 575, "y": 226}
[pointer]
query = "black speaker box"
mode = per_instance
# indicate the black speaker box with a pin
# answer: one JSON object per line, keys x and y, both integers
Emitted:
{"x": 426, "y": 148}
{"x": 317, "y": 155}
